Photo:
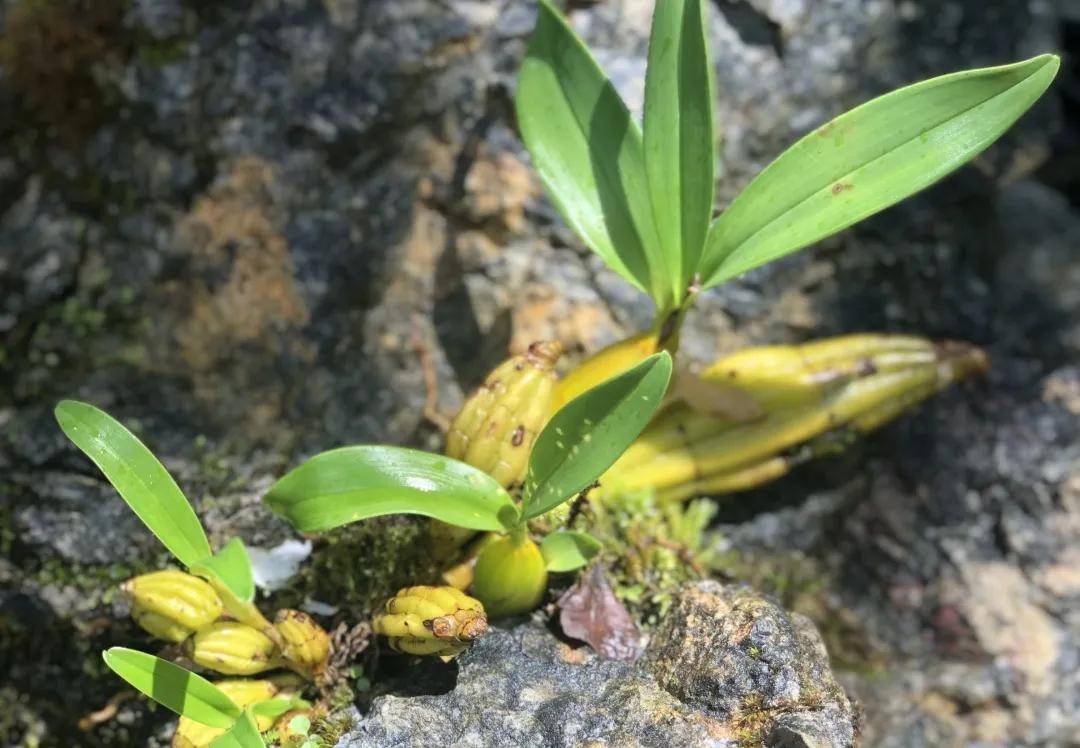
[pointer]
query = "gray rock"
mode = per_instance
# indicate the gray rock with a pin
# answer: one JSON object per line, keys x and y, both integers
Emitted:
{"x": 766, "y": 677}
{"x": 281, "y": 204}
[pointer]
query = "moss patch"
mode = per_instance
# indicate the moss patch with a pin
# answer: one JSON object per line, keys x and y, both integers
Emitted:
{"x": 359, "y": 567}
{"x": 651, "y": 549}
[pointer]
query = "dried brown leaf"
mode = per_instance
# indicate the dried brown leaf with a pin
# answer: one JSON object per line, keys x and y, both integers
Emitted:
{"x": 589, "y": 611}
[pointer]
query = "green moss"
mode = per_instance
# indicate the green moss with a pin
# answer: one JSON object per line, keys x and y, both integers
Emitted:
{"x": 651, "y": 549}
{"x": 88, "y": 578}
{"x": 358, "y": 567}
{"x": 752, "y": 722}
{"x": 331, "y": 728}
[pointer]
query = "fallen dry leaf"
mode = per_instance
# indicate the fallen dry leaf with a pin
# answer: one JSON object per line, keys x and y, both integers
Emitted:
{"x": 589, "y": 611}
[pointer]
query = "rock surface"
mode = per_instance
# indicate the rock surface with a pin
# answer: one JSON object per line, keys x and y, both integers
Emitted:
{"x": 727, "y": 668}
{"x": 247, "y": 228}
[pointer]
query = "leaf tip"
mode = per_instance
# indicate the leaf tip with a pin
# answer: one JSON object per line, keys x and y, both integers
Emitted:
{"x": 61, "y": 408}
{"x": 110, "y": 656}
{"x": 1053, "y": 61}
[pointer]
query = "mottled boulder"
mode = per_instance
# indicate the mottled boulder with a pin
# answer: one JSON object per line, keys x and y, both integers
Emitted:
{"x": 247, "y": 228}
{"x": 742, "y": 658}
{"x": 726, "y": 668}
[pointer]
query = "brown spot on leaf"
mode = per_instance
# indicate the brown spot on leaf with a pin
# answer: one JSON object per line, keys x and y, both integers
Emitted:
{"x": 840, "y": 187}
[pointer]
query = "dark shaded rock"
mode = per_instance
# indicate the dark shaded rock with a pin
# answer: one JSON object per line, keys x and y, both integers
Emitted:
{"x": 237, "y": 226}
{"x": 952, "y": 549}
{"x": 523, "y": 686}
{"x": 83, "y": 524}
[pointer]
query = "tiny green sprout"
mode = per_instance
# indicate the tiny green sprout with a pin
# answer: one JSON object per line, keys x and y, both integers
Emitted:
{"x": 360, "y": 681}
{"x": 300, "y": 724}
{"x": 148, "y": 488}
{"x": 642, "y": 197}
{"x": 580, "y": 442}
{"x": 189, "y": 608}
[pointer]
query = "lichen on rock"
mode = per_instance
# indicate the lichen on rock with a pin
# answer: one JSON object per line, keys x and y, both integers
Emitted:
{"x": 697, "y": 684}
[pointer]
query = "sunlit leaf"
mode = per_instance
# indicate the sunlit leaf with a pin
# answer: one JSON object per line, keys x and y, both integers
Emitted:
{"x": 678, "y": 133}
{"x": 588, "y": 152}
{"x": 138, "y": 477}
{"x": 230, "y": 567}
{"x": 352, "y": 483}
{"x": 868, "y": 159}
{"x": 300, "y": 724}
{"x": 587, "y": 435}
{"x": 175, "y": 688}
{"x": 243, "y": 734}
{"x": 566, "y": 550}
{"x": 277, "y": 707}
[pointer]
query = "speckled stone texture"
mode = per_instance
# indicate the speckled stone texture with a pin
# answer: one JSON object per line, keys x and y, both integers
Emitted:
{"x": 727, "y": 668}
{"x": 244, "y": 228}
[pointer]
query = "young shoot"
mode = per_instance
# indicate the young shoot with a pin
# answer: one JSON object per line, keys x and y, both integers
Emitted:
{"x": 195, "y": 698}
{"x": 641, "y": 196}
{"x": 580, "y": 442}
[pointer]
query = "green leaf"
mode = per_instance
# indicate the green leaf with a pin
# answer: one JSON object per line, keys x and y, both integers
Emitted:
{"x": 277, "y": 707}
{"x": 566, "y": 550}
{"x": 868, "y": 159}
{"x": 588, "y": 152}
{"x": 679, "y": 137}
{"x": 352, "y": 483}
{"x": 175, "y": 688}
{"x": 243, "y": 734}
{"x": 231, "y": 567}
{"x": 300, "y": 724}
{"x": 587, "y": 435}
{"x": 138, "y": 477}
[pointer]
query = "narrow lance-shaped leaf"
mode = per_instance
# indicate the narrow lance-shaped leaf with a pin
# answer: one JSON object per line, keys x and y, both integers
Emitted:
{"x": 175, "y": 688}
{"x": 868, "y": 159}
{"x": 138, "y": 477}
{"x": 278, "y": 706}
{"x": 353, "y": 483}
{"x": 588, "y": 152}
{"x": 587, "y": 435}
{"x": 230, "y": 567}
{"x": 566, "y": 550}
{"x": 679, "y": 137}
{"x": 243, "y": 734}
